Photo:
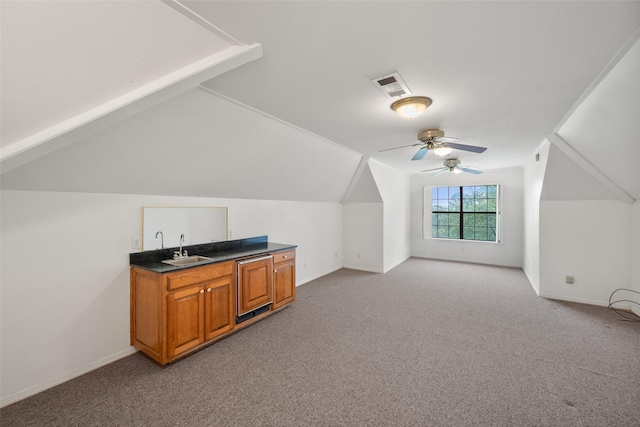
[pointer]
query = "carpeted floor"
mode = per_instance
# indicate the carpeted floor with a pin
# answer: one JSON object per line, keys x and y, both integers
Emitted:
{"x": 430, "y": 343}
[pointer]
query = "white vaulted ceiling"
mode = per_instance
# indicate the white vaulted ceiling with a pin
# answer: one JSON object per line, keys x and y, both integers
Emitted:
{"x": 605, "y": 127}
{"x": 196, "y": 145}
{"x": 60, "y": 59}
{"x": 290, "y": 88}
{"x": 501, "y": 74}
{"x": 71, "y": 68}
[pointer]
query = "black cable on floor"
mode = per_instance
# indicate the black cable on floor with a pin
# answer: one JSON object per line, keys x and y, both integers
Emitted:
{"x": 627, "y": 318}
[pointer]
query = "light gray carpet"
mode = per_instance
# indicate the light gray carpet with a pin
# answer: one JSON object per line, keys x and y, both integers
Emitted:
{"x": 431, "y": 343}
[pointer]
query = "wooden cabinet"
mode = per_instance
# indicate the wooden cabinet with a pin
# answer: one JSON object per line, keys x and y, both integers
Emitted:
{"x": 185, "y": 320}
{"x": 284, "y": 278}
{"x": 218, "y": 305}
{"x": 255, "y": 284}
{"x": 174, "y": 313}
{"x": 198, "y": 314}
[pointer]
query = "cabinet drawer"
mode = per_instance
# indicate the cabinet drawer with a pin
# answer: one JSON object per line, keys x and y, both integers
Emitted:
{"x": 284, "y": 256}
{"x": 192, "y": 276}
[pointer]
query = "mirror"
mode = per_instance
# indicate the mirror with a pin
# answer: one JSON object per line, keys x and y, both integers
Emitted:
{"x": 162, "y": 226}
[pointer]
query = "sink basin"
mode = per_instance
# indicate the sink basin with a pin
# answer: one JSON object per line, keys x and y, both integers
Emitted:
{"x": 190, "y": 260}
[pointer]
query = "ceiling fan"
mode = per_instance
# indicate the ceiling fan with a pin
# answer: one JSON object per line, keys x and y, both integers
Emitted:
{"x": 453, "y": 165}
{"x": 434, "y": 139}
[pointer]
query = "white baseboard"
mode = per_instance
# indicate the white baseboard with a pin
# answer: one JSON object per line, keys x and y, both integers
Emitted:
{"x": 317, "y": 276}
{"x": 8, "y": 400}
{"x": 466, "y": 261}
{"x": 635, "y": 309}
{"x": 355, "y": 267}
{"x": 535, "y": 286}
{"x": 621, "y": 306}
{"x": 395, "y": 265}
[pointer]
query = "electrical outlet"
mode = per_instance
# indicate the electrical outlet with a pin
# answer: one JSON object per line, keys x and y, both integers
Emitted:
{"x": 569, "y": 280}
{"x": 135, "y": 243}
{"x": 230, "y": 234}
{"x": 336, "y": 254}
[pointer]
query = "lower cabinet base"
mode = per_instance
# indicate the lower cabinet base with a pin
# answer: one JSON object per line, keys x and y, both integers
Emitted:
{"x": 239, "y": 326}
{"x": 251, "y": 314}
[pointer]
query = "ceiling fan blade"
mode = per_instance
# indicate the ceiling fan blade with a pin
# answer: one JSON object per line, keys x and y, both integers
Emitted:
{"x": 420, "y": 154}
{"x": 395, "y": 148}
{"x": 445, "y": 139}
{"x": 431, "y": 170}
{"x": 473, "y": 171}
{"x": 471, "y": 148}
{"x": 441, "y": 171}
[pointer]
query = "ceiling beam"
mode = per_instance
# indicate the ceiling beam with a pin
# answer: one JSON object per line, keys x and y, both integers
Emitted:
{"x": 124, "y": 106}
{"x": 178, "y": 6}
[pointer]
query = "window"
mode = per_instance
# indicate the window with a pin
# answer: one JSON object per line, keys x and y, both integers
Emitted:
{"x": 467, "y": 213}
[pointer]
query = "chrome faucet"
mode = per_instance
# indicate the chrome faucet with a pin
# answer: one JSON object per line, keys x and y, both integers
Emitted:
{"x": 161, "y": 239}
{"x": 180, "y": 253}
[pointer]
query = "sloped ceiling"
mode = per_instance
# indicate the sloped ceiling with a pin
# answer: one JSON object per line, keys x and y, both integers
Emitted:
{"x": 300, "y": 117}
{"x": 501, "y": 74}
{"x": 60, "y": 59}
{"x": 197, "y": 144}
{"x": 605, "y": 127}
{"x": 365, "y": 189}
{"x": 564, "y": 179}
{"x": 72, "y": 68}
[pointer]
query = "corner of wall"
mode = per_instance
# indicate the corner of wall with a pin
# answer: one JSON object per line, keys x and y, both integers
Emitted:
{"x": 533, "y": 180}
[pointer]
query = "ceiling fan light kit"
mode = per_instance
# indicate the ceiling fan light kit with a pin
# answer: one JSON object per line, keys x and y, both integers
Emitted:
{"x": 453, "y": 165}
{"x": 442, "y": 151}
{"x": 411, "y": 107}
{"x": 434, "y": 139}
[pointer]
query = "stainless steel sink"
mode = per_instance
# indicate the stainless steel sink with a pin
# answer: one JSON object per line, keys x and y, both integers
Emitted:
{"x": 190, "y": 260}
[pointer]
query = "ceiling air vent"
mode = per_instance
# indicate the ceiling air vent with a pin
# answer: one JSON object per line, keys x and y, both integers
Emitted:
{"x": 391, "y": 85}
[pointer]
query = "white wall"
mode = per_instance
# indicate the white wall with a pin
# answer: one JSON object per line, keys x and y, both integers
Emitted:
{"x": 509, "y": 252}
{"x": 533, "y": 178}
{"x": 363, "y": 236}
{"x": 65, "y": 273}
{"x": 376, "y": 220}
{"x": 584, "y": 231}
{"x": 635, "y": 256}
{"x": 589, "y": 240}
{"x": 394, "y": 189}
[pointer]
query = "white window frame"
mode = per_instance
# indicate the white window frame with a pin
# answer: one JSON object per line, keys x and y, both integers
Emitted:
{"x": 427, "y": 211}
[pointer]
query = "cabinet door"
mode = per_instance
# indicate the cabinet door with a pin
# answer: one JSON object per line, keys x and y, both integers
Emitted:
{"x": 255, "y": 284}
{"x": 218, "y": 307}
{"x": 284, "y": 278}
{"x": 185, "y": 320}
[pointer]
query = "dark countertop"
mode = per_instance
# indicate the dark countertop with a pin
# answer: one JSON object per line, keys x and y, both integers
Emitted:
{"x": 218, "y": 252}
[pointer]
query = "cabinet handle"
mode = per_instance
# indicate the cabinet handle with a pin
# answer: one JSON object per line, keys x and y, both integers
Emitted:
{"x": 275, "y": 271}
{"x": 208, "y": 289}
{"x": 285, "y": 257}
{"x": 202, "y": 291}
